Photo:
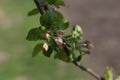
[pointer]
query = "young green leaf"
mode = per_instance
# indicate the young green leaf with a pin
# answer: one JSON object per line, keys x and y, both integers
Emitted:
{"x": 47, "y": 19}
{"x": 33, "y": 12}
{"x": 79, "y": 58}
{"x": 77, "y": 32}
{"x": 34, "y": 34}
{"x": 108, "y": 74}
{"x": 76, "y": 56}
{"x": 54, "y": 2}
{"x": 51, "y": 18}
{"x": 62, "y": 56}
{"x": 65, "y": 25}
{"x": 49, "y": 1}
{"x": 59, "y": 3}
{"x": 58, "y": 17}
{"x": 61, "y": 25}
{"x": 37, "y": 49}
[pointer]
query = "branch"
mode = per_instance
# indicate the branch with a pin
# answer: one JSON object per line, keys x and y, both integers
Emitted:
{"x": 91, "y": 72}
{"x": 39, "y": 6}
{"x": 44, "y": 7}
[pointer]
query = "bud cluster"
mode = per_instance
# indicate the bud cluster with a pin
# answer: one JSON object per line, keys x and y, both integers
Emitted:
{"x": 59, "y": 42}
{"x": 87, "y": 46}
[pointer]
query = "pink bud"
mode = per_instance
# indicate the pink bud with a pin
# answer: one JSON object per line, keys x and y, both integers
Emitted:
{"x": 61, "y": 32}
{"x": 45, "y": 47}
{"x": 89, "y": 51}
{"x": 59, "y": 40}
{"x": 89, "y": 44}
{"x": 60, "y": 46}
{"x": 47, "y": 35}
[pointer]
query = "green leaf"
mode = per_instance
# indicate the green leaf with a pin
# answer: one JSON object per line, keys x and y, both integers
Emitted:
{"x": 79, "y": 58}
{"x": 108, "y": 74}
{"x": 54, "y": 2}
{"x": 76, "y": 55}
{"x": 62, "y": 56}
{"x": 77, "y": 32}
{"x": 50, "y": 1}
{"x": 64, "y": 24}
{"x": 49, "y": 52}
{"x": 37, "y": 49}
{"x": 51, "y": 18}
{"x": 59, "y": 3}
{"x": 58, "y": 18}
{"x": 47, "y": 19}
{"x": 67, "y": 36}
{"x": 52, "y": 43}
{"x": 33, "y": 12}
{"x": 70, "y": 41}
{"x": 118, "y": 78}
{"x": 34, "y": 34}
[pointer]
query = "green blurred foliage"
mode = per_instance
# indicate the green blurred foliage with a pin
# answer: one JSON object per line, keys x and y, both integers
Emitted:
{"x": 108, "y": 74}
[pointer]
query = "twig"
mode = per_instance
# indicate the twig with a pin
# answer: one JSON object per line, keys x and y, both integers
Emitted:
{"x": 91, "y": 72}
{"x": 39, "y": 6}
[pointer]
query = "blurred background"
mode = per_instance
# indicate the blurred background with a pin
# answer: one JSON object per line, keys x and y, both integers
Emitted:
{"x": 100, "y": 20}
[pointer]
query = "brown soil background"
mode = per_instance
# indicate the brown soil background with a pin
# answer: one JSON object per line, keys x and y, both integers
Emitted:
{"x": 100, "y": 20}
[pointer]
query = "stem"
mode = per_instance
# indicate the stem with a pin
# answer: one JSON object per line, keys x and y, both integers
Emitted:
{"x": 91, "y": 72}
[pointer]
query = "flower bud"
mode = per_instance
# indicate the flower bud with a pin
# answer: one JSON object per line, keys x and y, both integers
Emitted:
{"x": 47, "y": 35}
{"x": 88, "y": 51}
{"x": 61, "y": 32}
{"x": 89, "y": 44}
{"x": 59, "y": 40}
{"x": 45, "y": 47}
{"x": 60, "y": 46}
